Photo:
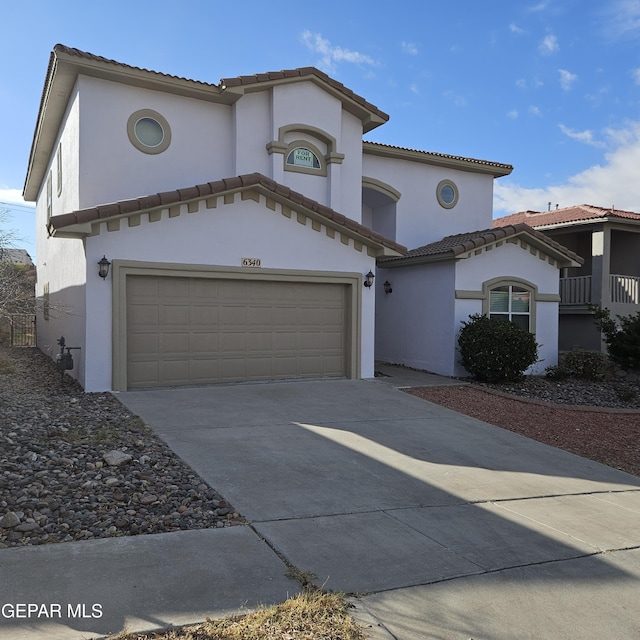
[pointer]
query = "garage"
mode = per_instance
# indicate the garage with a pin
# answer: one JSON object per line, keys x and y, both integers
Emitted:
{"x": 203, "y": 330}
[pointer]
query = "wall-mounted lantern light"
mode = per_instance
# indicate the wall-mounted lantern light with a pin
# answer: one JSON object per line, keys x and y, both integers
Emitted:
{"x": 368, "y": 279}
{"x": 387, "y": 287}
{"x": 103, "y": 267}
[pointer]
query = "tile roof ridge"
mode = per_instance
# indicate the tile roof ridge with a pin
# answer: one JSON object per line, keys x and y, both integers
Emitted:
{"x": 457, "y": 244}
{"x": 72, "y": 51}
{"x": 300, "y": 72}
{"x": 437, "y": 154}
{"x": 163, "y": 199}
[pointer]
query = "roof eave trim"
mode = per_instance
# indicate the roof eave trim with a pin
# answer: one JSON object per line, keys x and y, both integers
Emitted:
{"x": 370, "y": 118}
{"x": 403, "y": 261}
{"x": 496, "y": 170}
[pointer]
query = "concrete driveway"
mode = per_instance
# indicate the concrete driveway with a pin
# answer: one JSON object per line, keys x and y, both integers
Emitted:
{"x": 447, "y": 527}
{"x": 457, "y": 528}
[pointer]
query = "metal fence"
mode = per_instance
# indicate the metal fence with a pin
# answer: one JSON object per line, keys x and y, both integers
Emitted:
{"x": 23, "y": 330}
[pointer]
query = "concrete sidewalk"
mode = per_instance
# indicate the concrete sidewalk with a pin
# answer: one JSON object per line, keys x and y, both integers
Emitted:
{"x": 454, "y": 528}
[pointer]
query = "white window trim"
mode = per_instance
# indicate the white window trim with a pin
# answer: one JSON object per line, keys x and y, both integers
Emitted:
{"x": 489, "y": 285}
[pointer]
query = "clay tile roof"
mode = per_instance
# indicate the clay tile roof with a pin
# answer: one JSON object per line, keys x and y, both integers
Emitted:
{"x": 377, "y": 148}
{"x": 60, "y": 48}
{"x": 567, "y": 215}
{"x": 302, "y": 72}
{"x": 145, "y": 203}
{"x": 453, "y": 246}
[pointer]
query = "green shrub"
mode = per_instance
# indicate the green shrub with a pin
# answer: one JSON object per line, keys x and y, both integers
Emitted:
{"x": 557, "y": 372}
{"x": 589, "y": 365}
{"x": 495, "y": 350}
{"x": 623, "y": 339}
{"x": 623, "y": 393}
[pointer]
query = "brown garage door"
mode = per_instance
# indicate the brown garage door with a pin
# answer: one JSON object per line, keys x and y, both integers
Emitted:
{"x": 201, "y": 330}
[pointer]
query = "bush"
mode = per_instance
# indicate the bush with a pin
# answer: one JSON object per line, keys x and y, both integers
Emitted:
{"x": 589, "y": 365}
{"x": 557, "y": 372}
{"x": 495, "y": 350}
{"x": 624, "y": 393}
{"x": 623, "y": 341}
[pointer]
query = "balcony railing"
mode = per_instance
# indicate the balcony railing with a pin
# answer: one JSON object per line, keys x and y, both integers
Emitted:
{"x": 577, "y": 290}
{"x": 624, "y": 289}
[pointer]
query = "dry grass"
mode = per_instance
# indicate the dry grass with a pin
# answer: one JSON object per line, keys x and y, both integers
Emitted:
{"x": 312, "y": 615}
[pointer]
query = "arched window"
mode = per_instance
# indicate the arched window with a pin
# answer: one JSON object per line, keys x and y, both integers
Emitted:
{"x": 301, "y": 154}
{"x": 303, "y": 157}
{"x": 511, "y": 302}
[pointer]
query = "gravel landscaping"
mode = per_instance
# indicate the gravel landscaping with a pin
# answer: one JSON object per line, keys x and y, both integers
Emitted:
{"x": 75, "y": 465}
{"x": 596, "y": 420}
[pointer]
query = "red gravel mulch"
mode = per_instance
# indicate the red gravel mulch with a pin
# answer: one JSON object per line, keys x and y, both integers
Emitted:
{"x": 609, "y": 436}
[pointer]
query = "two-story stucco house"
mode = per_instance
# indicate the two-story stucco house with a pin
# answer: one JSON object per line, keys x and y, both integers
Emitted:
{"x": 253, "y": 235}
{"x": 609, "y": 241}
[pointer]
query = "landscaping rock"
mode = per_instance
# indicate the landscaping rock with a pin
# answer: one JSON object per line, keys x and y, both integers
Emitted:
{"x": 56, "y": 481}
{"x": 9, "y": 520}
{"x": 116, "y": 458}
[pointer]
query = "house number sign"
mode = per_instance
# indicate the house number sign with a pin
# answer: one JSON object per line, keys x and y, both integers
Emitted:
{"x": 251, "y": 262}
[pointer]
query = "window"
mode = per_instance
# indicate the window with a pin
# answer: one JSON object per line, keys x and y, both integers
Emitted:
{"x": 49, "y": 196}
{"x": 447, "y": 194}
{"x": 45, "y": 301}
{"x": 59, "y": 162}
{"x": 148, "y": 131}
{"x": 301, "y": 157}
{"x": 304, "y": 157}
{"x": 511, "y": 302}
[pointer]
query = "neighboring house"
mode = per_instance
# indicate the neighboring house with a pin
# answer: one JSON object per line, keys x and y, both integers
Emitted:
{"x": 609, "y": 242}
{"x": 16, "y": 256}
{"x": 17, "y": 289}
{"x": 241, "y": 221}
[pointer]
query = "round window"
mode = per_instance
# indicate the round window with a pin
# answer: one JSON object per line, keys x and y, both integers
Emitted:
{"x": 148, "y": 131}
{"x": 447, "y": 193}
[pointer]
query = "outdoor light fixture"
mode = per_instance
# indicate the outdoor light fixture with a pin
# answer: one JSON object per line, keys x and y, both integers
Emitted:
{"x": 103, "y": 267}
{"x": 368, "y": 279}
{"x": 387, "y": 287}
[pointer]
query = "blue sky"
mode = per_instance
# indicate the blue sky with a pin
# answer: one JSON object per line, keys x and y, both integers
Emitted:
{"x": 549, "y": 86}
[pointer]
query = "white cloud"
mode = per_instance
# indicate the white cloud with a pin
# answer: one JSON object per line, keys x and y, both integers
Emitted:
{"x": 623, "y": 18}
{"x": 548, "y": 45}
{"x": 585, "y": 136}
{"x": 567, "y": 79}
{"x": 523, "y": 83}
{"x": 597, "y": 97}
{"x": 513, "y": 114}
{"x": 514, "y": 28}
{"x": 414, "y": 89}
{"x": 409, "y": 47}
{"x": 534, "y": 111}
{"x": 614, "y": 181}
{"x": 331, "y": 54}
{"x": 12, "y": 196}
{"x": 635, "y": 74}
{"x": 458, "y": 100}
